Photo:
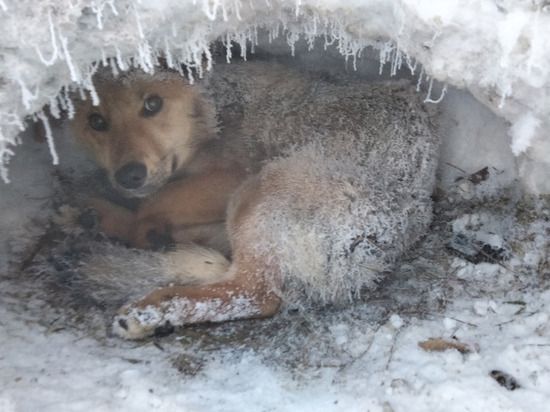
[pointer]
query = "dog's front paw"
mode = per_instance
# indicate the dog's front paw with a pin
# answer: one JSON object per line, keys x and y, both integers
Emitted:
{"x": 160, "y": 240}
{"x": 89, "y": 219}
{"x": 136, "y": 323}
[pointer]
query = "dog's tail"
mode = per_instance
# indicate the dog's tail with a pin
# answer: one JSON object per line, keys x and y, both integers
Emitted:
{"x": 194, "y": 265}
{"x": 139, "y": 272}
{"x": 109, "y": 275}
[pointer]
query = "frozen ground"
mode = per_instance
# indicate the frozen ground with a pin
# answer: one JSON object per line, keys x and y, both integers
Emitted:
{"x": 477, "y": 286}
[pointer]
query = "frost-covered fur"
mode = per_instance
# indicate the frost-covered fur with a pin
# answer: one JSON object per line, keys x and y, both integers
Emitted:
{"x": 354, "y": 176}
{"x": 337, "y": 181}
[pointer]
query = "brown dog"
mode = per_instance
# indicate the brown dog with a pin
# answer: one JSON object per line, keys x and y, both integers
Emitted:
{"x": 318, "y": 184}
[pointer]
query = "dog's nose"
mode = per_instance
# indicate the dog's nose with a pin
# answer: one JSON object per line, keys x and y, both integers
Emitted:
{"x": 132, "y": 175}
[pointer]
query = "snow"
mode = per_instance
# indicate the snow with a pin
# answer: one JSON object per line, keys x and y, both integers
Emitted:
{"x": 63, "y": 370}
{"x": 523, "y": 131}
{"x": 496, "y": 50}
{"x": 363, "y": 358}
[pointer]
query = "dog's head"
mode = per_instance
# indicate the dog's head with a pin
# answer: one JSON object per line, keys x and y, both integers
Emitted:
{"x": 145, "y": 128}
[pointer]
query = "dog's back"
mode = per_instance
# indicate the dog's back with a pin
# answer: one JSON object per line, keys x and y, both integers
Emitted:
{"x": 349, "y": 173}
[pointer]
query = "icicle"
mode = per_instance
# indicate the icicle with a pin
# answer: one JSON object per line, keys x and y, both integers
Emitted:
{"x": 98, "y": 12}
{"x": 443, "y": 92}
{"x": 271, "y": 34}
{"x": 328, "y": 42}
{"x": 113, "y": 8}
{"x": 411, "y": 67}
{"x": 242, "y": 44}
{"x": 140, "y": 29}
{"x": 5, "y": 155}
{"x": 190, "y": 76}
{"x": 385, "y": 52}
{"x": 26, "y": 95}
{"x": 69, "y": 106}
{"x": 419, "y": 79}
{"x": 274, "y": 33}
{"x": 89, "y": 84}
{"x": 62, "y": 100}
{"x": 224, "y": 12}
{"x": 237, "y": 4}
{"x": 120, "y": 62}
{"x": 311, "y": 31}
{"x": 429, "y": 88}
{"x": 144, "y": 57}
{"x": 209, "y": 59}
{"x": 396, "y": 61}
{"x": 228, "y": 46}
{"x": 54, "y": 108}
{"x": 114, "y": 67}
{"x": 179, "y": 68}
{"x": 298, "y": 4}
{"x": 81, "y": 93}
{"x": 54, "y": 44}
{"x": 103, "y": 58}
{"x": 210, "y": 14}
{"x": 291, "y": 40}
{"x": 168, "y": 54}
{"x": 254, "y": 41}
{"x": 49, "y": 136}
{"x": 93, "y": 93}
{"x": 74, "y": 75}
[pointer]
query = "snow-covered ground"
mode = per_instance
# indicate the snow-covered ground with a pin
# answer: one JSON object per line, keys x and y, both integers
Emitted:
{"x": 385, "y": 369}
{"x": 478, "y": 285}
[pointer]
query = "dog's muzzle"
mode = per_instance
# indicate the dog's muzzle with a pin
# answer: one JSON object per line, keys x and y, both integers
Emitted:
{"x": 132, "y": 175}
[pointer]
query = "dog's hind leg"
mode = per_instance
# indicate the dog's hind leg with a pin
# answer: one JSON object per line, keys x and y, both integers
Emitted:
{"x": 246, "y": 290}
{"x": 243, "y": 297}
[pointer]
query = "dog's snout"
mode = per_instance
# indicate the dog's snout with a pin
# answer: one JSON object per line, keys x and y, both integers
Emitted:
{"x": 132, "y": 175}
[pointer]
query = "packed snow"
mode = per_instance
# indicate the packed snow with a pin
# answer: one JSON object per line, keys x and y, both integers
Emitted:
{"x": 463, "y": 325}
{"x": 496, "y": 50}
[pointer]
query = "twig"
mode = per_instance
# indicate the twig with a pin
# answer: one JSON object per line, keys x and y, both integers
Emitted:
{"x": 456, "y": 167}
{"x": 360, "y": 356}
{"x": 392, "y": 349}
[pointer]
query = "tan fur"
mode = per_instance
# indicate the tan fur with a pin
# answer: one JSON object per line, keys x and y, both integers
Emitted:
{"x": 166, "y": 144}
{"x": 208, "y": 187}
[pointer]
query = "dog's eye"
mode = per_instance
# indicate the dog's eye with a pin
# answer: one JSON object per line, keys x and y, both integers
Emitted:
{"x": 97, "y": 122}
{"x": 152, "y": 105}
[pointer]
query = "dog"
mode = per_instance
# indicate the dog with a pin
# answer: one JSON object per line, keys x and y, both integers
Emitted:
{"x": 263, "y": 186}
